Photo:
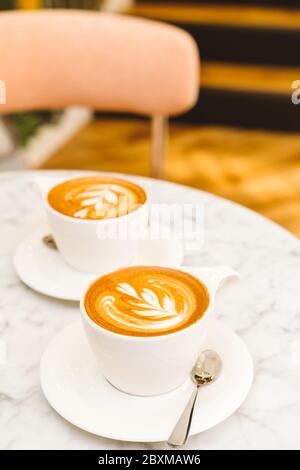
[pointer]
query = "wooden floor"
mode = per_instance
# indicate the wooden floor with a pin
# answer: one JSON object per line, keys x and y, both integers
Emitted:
{"x": 258, "y": 169}
{"x": 250, "y": 78}
{"x": 233, "y": 15}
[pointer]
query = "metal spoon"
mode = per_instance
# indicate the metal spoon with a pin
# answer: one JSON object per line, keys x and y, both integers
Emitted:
{"x": 205, "y": 371}
{"x": 49, "y": 242}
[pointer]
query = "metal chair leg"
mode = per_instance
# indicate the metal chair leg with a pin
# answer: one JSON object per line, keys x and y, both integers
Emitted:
{"x": 159, "y": 145}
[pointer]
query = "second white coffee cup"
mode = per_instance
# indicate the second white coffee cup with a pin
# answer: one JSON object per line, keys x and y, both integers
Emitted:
{"x": 93, "y": 246}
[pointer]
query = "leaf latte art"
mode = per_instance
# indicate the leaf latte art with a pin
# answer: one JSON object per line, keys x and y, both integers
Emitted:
{"x": 146, "y": 301}
{"x": 96, "y": 197}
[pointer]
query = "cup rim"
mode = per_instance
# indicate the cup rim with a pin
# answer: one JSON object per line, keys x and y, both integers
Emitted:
{"x": 151, "y": 338}
{"x": 94, "y": 221}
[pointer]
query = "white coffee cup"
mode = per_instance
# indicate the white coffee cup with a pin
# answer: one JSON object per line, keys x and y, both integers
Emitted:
{"x": 156, "y": 364}
{"x": 89, "y": 245}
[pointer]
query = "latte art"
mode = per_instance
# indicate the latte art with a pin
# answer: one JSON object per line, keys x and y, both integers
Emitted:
{"x": 96, "y": 197}
{"x": 146, "y": 301}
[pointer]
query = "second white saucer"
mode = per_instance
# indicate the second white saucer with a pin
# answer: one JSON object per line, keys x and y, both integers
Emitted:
{"x": 44, "y": 270}
{"x": 75, "y": 388}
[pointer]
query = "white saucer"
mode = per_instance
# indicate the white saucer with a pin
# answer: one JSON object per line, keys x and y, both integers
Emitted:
{"x": 75, "y": 388}
{"x": 43, "y": 269}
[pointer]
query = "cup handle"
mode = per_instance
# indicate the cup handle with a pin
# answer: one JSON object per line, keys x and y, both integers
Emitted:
{"x": 41, "y": 186}
{"x": 214, "y": 276}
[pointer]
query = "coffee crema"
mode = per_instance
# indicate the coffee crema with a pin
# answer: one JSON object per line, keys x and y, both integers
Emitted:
{"x": 146, "y": 301}
{"x": 96, "y": 197}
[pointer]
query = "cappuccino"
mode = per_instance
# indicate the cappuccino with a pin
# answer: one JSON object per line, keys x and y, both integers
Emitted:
{"x": 146, "y": 301}
{"x": 96, "y": 197}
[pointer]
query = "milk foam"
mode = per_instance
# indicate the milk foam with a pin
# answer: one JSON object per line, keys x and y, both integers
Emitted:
{"x": 154, "y": 307}
{"x": 148, "y": 302}
{"x": 96, "y": 197}
{"x": 96, "y": 200}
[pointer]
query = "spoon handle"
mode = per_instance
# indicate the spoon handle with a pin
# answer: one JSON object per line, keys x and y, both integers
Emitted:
{"x": 182, "y": 428}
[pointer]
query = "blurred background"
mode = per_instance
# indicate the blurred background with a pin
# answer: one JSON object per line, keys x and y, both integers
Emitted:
{"x": 240, "y": 141}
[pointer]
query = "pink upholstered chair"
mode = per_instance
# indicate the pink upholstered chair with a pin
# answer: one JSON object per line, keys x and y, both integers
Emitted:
{"x": 52, "y": 59}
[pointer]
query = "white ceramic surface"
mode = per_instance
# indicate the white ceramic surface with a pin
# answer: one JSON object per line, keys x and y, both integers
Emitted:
{"x": 44, "y": 270}
{"x": 263, "y": 308}
{"x": 73, "y": 386}
{"x": 155, "y": 364}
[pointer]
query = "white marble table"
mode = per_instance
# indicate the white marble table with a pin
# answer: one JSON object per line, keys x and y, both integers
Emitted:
{"x": 265, "y": 311}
